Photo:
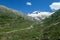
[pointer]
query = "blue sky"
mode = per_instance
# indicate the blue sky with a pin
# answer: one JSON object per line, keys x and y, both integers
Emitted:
{"x": 22, "y": 5}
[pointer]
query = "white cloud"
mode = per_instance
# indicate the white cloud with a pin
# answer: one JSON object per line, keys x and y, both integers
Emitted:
{"x": 29, "y": 3}
{"x": 41, "y": 15}
{"x": 55, "y": 6}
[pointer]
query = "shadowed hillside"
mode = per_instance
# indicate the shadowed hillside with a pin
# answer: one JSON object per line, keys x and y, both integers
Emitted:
{"x": 51, "y": 27}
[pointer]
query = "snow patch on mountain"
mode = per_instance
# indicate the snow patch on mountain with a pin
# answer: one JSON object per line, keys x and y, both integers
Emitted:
{"x": 40, "y": 15}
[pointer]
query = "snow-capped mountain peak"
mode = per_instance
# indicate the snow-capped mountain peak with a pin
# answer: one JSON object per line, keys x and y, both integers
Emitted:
{"x": 40, "y": 15}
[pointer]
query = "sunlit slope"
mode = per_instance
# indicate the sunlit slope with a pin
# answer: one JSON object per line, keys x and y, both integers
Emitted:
{"x": 12, "y": 20}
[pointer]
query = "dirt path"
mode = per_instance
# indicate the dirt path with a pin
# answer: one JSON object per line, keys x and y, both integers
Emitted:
{"x": 17, "y": 30}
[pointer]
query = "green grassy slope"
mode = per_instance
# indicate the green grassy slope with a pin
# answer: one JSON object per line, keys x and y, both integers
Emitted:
{"x": 11, "y": 22}
{"x": 51, "y": 27}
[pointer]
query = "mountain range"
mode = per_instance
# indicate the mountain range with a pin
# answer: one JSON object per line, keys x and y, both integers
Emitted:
{"x": 15, "y": 25}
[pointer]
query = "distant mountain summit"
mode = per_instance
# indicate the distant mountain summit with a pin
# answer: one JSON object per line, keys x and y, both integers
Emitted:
{"x": 37, "y": 15}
